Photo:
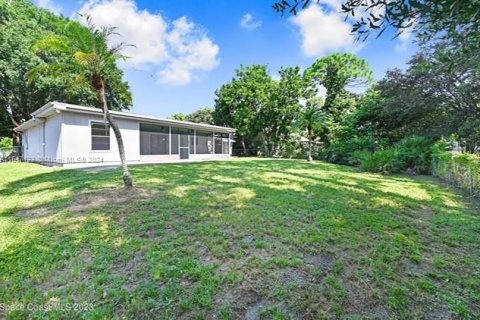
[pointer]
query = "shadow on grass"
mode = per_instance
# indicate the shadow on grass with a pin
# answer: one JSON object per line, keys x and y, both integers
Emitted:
{"x": 229, "y": 228}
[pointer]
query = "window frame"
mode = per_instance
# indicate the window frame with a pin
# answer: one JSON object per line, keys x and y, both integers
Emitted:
{"x": 92, "y": 136}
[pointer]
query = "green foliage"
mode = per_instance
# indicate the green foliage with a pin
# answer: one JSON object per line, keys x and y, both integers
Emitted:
{"x": 260, "y": 108}
{"x": 459, "y": 169}
{"x": 238, "y": 102}
{"x": 286, "y": 233}
{"x": 202, "y": 115}
{"x": 337, "y": 71}
{"x": 6, "y": 142}
{"x": 415, "y": 153}
{"x": 341, "y": 151}
{"x": 411, "y": 154}
{"x": 375, "y": 16}
{"x": 89, "y": 57}
{"x": 22, "y": 25}
{"x": 382, "y": 161}
{"x": 179, "y": 116}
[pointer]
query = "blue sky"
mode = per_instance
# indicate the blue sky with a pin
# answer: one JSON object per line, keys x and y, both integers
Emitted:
{"x": 186, "y": 49}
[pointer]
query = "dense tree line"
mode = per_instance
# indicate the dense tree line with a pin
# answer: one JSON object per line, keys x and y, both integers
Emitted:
{"x": 22, "y": 26}
{"x": 202, "y": 115}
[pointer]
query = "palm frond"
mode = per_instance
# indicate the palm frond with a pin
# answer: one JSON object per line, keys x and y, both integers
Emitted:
{"x": 86, "y": 59}
{"x": 52, "y": 44}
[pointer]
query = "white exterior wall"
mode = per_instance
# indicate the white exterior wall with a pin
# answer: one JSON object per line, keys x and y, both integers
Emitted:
{"x": 53, "y": 138}
{"x": 77, "y": 144}
{"x": 64, "y": 138}
{"x": 42, "y": 142}
{"x": 32, "y": 144}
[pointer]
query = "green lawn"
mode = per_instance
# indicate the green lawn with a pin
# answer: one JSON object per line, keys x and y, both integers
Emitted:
{"x": 236, "y": 239}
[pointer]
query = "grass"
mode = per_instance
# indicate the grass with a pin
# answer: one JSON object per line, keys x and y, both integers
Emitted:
{"x": 270, "y": 239}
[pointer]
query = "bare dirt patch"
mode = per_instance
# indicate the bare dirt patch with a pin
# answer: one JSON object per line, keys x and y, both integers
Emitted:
{"x": 98, "y": 198}
{"x": 87, "y": 201}
{"x": 33, "y": 213}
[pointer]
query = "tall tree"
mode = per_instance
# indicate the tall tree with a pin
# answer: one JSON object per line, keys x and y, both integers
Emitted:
{"x": 311, "y": 121}
{"x": 283, "y": 107}
{"x": 239, "y": 102}
{"x": 430, "y": 98}
{"x": 202, "y": 115}
{"x": 338, "y": 71}
{"x": 93, "y": 61}
{"x": 22, "y": 24}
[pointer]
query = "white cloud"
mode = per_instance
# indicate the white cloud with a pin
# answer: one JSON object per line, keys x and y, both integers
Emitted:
{"x": 50, "y": 5}
{"x": 174, "y": 50}
{"x": 333, "y": 4}
{"x": 404, "y": 39}
{"x": 323, "y": 31}
{"x": 249, "y": 22}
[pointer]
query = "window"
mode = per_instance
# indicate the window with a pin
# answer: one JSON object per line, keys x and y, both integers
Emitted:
{"x": 100, "y": 136}
{"x": 218, "y": 143}
{"x": 204, "y": 142}
{"x": 153, "y": 139}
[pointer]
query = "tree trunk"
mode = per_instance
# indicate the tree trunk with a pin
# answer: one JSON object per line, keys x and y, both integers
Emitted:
{"x": 310, "y": 159}
{"x": 244, "y": 147}
{"x": 127, "y": 178}
{"x": 310, "y": 142}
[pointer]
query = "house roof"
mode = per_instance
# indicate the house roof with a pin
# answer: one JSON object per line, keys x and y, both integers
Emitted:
{"x": 57, "y": 107}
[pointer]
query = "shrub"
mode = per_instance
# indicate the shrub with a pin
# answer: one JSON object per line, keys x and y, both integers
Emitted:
{"x": 6, "y": 142}
{"x": 414, "y": 153}
{"x": 382, "y": 161}
{"x": 411, "y": 153}
{"x": 342, "y": 151}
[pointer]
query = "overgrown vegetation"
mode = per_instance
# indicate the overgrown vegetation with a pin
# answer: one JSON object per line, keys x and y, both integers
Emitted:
{"x": 22, "y": 25}
{"x": 460, "y": 169}
{"x": 290, "y": 239}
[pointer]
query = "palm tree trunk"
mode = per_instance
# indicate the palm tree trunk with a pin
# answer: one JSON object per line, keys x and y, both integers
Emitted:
{"x": 310, "y": 159}
{"x": 127, "y": 178}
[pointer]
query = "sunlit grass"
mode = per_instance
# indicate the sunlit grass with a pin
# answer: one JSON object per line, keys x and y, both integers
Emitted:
{"x": 264, "y": 238}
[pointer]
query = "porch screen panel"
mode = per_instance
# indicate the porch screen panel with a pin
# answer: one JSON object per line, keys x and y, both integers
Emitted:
{"x": 186, "y": 139}
{"x": 204, "y": 142}
{"x": 225, "y": 143}
{"x": 154, "y": 139}
{"x": 218, "y": 143}
{"x": 175, "y": 140}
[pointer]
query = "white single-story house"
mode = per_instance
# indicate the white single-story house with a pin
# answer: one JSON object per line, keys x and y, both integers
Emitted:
{"x": 65, "y": 134}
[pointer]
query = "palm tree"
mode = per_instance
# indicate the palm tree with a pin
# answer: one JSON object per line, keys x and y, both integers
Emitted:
{"x": 91, "y": 59}
{"x": 310, "y": 121}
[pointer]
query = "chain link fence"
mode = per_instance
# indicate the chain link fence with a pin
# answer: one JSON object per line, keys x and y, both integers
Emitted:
{"x": 459, "y": 169}
{"x": 10, "y": 154}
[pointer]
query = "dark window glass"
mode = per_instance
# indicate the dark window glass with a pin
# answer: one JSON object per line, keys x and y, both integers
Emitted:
{"x": 146, "y": 127}
{"x": 100, "y": 136}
